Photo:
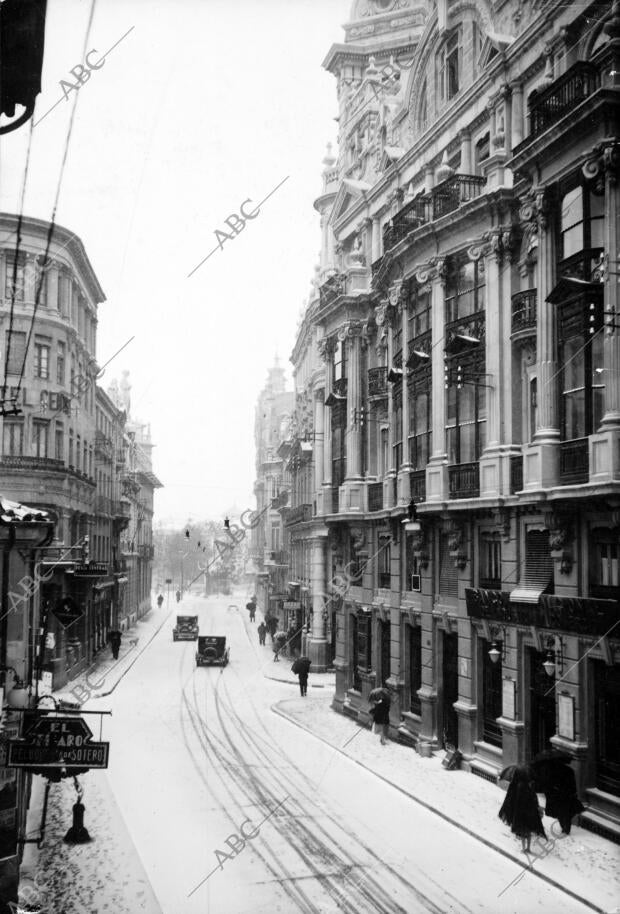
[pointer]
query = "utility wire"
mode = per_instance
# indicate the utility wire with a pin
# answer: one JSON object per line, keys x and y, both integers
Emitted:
{"x": 15, "y": 266}
{"x": 50, "y": 231}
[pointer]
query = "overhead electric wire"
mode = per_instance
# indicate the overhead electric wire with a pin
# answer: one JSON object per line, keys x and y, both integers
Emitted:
{"x": 15, "y": 265}
{"x": 50, "y": 232}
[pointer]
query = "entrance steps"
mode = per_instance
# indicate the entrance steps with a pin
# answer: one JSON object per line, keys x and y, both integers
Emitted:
{"x": 603, "y": 814}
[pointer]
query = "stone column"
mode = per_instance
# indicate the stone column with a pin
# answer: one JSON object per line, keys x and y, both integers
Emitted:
{"x": 516, "y": 114}
{"x": 52, "y": 290}
{"x": 317, "y": 644}
{"x": 436, "y": 472}
{"x": 376, "y": 239}
{"x": 605, "y": 444}
{"x": 429, "y": 178}
{"x": 324, "y": 498}
{"x": 319, "y": 439}
{"x": 354, "y": 402}
{"x": 404, "y": 487}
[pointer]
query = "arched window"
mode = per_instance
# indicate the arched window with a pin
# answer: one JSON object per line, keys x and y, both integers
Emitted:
{"x": 449, "y": 66}
{"x": 423, "y": 109}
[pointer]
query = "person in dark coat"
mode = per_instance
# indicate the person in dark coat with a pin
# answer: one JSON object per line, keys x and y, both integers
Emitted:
{"x": 115, "y": 643}
{"x": 520, "y": 808}
{"x": 160, "y": 600}
{"x": 262, "y": 631}
{"x": 556, "y": 779}
{"x": 272, "y": 626}
{"x": 251, "y": 607}
{"x": 380, "y": 713}
{"x": 301, "y": 668}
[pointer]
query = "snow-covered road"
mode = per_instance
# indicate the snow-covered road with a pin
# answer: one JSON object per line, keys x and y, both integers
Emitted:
{"x": 199, "y": 764}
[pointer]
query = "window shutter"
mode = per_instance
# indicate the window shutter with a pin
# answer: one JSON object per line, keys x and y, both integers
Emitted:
{"x": 538, "y": 572}
{"x": 448, "y": 572}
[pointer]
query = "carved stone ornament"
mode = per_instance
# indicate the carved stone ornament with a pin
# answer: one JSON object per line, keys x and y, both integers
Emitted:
{"x": 560, "y": 534}
{"x": 394, "y": 293}
{"x": 456, "y": 545}
{"x": 358, "y": 540}
{"x": 326, "y": 348}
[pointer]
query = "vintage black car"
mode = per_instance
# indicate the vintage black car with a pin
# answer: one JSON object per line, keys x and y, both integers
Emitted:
{"x": 212, "y": 650}
{"x": 186, "y": 628}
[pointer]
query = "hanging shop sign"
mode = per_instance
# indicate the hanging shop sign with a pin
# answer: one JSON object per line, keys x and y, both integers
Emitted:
{"x": 67, "y": 611}
{"x": 61, "y": 745}
{"x": 291, "y": 604}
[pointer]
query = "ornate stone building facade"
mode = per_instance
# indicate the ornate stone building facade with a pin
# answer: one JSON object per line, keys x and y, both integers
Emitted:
{"x": 466, "y": 445}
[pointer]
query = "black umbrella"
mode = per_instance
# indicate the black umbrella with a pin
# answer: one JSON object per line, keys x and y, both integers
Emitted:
{"x": 378, "y": 694}
{"x": 302, "y": 664}
{"x": 507, "y": 773}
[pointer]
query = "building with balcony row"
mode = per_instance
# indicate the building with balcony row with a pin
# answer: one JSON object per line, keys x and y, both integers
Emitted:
{"x": 455, "y": 481}
{"x": 68, "y": 447}
{"x": 268, "y": 541}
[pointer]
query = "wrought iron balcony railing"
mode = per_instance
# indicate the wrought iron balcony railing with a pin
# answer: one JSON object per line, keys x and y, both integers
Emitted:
{"x": 298, "y": 515}
{"x": 339, "y": 387}
{"x": 585, "y": 264}
{"x": 574, "y": 461}
{"x": 20, "y": 462}
{"x": 419, "y": 351}
{"x": 524, "y": 310}
{"x": 332, "y": 288}
{"x": 562, "y": 96}
{"x": 464, "y": 480}
{"x": 377, "y": 382}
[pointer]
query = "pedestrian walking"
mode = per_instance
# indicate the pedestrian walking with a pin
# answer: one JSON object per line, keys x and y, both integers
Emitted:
{"x": 554, "y": 777}
{"x": 301, "y": 668}
{"x": 262, "y": 631}
{"x": 520, "y": 807}
{"x": 178, "y": 596}
{"x": 272, "y": 626}
{"x": 380, "y": 713}
{"x": 160, "y": 600}
{"x": 279, "y": 640}
{"x": 115, "y": 642}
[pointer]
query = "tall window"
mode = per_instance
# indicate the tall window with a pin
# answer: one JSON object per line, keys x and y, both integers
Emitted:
{"x": 14, "y": 285}
{"x": 582, "y": 221}
{"x": 384, "y": 569}
{"x": 40, "y": 284}
{"x": 40, "y": 432}
{"x": 13, "y": 437}
{"x": 71, "y": 447}
{"x": 415, "y": 668}
{"x": 580, "y": 355}
{"x": 41, "y": 360}
{"x": 340, "y": 361}
{"x": 423, "y": 109}
{"x": 449, "y": 63}
{"x": 419, "y": 312}
{"x": 64, "y": 293}
{"x": 420, "y": 419}
{"x": 385, "y": 440}
{"x": 59, "y": 442}
{"x": 397, "y": 426}
{"x": 490, "y": 562}
{"x": 448, "y": 572}
{"x": 605, "y": 563}
{"x": 465, "y": 421}
{"x": 17, "y": 344}
{"x": 339, "y": 442}
{"x": 78, "y": 451}
{"x": 356, "y": 681}
{"x": 61, "y": 359}
{"x": 364, "y": 641}
{"x": 491, "y": 694}
{"x": 465, "y": 288}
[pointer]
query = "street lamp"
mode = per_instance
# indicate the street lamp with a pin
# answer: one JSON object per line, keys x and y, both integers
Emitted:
{"x": 18, "y": 698}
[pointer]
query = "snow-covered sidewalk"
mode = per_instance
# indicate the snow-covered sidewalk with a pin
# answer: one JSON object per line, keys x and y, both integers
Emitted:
{"x": 582, "y": 863}
{"x": 107, "y": 874}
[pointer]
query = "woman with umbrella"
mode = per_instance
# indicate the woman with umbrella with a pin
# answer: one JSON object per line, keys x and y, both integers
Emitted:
{"x": 302, "y": 667}
{"x": 520, "y": 807}
{"x": 380, "y": 712}
{"x": 279, "y": 640}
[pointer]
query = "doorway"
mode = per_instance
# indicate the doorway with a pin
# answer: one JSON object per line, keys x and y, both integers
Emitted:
{"x": 450, "y": 678}
{"x": 542, "y": 703}
{"x": 607, "y": 726}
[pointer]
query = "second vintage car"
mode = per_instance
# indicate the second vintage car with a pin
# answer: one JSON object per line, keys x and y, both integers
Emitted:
{"x": 186, "y": 628}
{"x": 212, "y": 650}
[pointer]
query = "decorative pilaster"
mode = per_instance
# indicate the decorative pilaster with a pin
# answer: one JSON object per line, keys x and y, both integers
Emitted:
{"x": 541, "y": 458}
{"x": 352, "y": 334}
{"x": 437, "y": 469}
{"x": 319, "y": 438}
{"x": 324, "y": 498}
{"x": 516, "y": 114}
{"x": 317, "y": 645}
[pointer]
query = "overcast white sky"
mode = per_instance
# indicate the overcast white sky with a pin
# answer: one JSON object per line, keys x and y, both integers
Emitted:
{"x": 205, "y": 103}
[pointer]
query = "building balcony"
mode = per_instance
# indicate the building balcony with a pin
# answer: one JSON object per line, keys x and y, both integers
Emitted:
{"x": 516, "y": 473}
{"x": 339, "y": 387}
{"x": 377, "y": 382}
{"x": 445, "y": 198}
{"x": 586, "y": 265}
{"x": 375, "y": 496}
{"x": 276, "y": 557}
{"x": 562, "y": 96}
{"x": 417, "y": 485}
{"x": 574, "y": 462}
{"x": 20, "y": 462}
{"x": 464, "y": 480}
{"x": 332, "y": 288}
{"x": 452, "y": 193}
{"x": 298, "y": 515}
{"x": 121, "y": 508}
{"x": 524, "y": 312}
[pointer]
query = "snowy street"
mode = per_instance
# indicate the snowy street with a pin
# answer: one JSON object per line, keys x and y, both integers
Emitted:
{"x": 200, "y": 764}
